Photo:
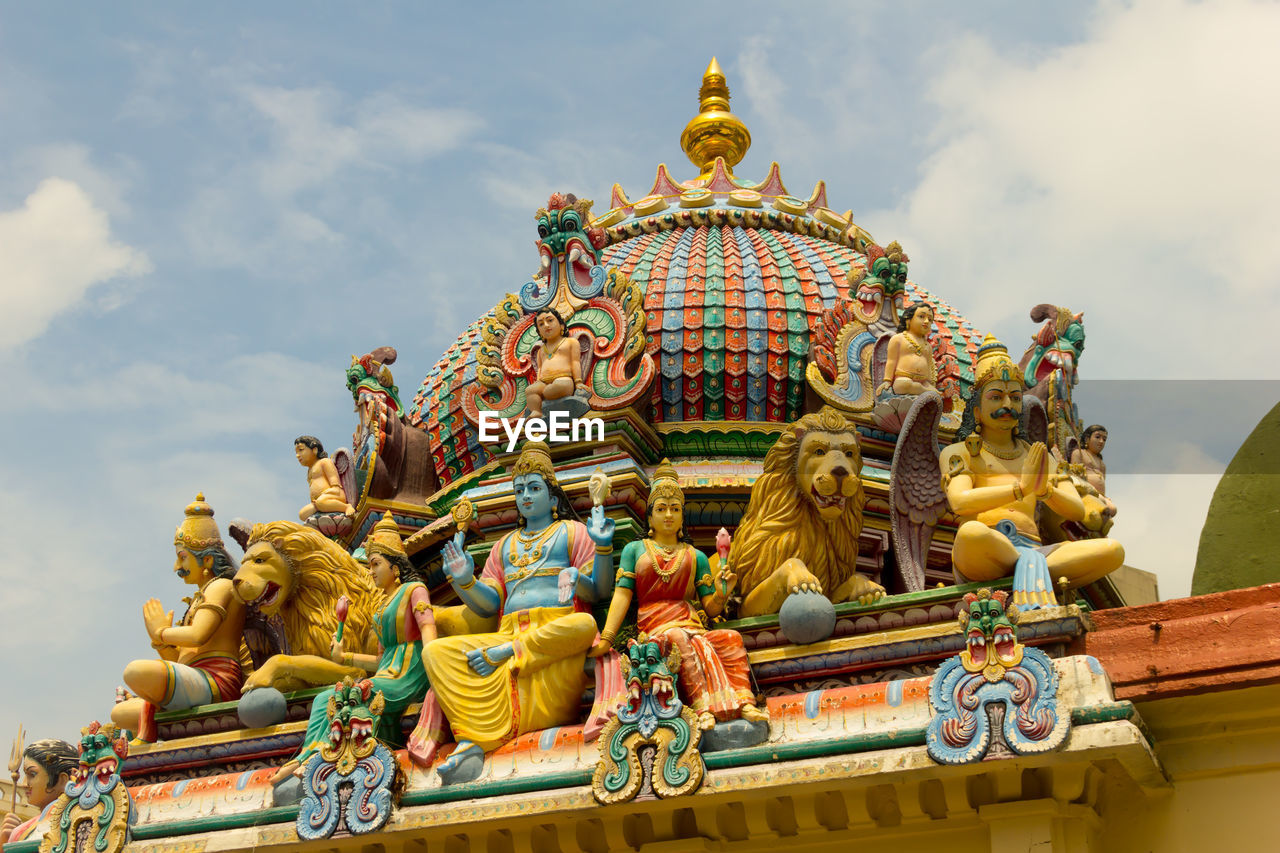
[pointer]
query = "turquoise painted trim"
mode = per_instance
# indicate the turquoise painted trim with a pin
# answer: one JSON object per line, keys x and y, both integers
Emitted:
{"x": 765, "y": 753}
{"x": 541, "y": 782}
{"x": 277, "y": 814}
{"x": 1107, "y": 712}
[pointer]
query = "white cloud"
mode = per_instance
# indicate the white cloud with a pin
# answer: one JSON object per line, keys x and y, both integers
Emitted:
{"x": 53, "y": 250}
{"x": 1159, "y": 521}
{"x": 1130, "y": 175}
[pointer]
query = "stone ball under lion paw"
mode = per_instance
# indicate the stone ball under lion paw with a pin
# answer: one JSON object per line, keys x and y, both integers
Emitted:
{"x": 806, "y": 617}
{"x": 262, "y": 707}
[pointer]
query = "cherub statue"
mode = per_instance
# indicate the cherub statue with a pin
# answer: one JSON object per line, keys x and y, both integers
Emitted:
{"x": 529, "y": 674}
{"x": 200, "y": 657}
{"x": 327, "y": 493}
{"x": 47, "y": 766}
{"x": 559, "y": 363}
{"x": 669, "y": 578}
{"x": 994, "y": 479}
{"x": 909, "y": 366}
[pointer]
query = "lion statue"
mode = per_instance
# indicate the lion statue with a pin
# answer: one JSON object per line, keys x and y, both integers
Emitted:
{"x": 800, "y": 531}
{"x": 297, "y": 572}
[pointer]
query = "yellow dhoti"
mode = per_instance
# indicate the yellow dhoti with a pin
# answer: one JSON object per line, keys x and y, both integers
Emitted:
{"x": 539, "y": 687}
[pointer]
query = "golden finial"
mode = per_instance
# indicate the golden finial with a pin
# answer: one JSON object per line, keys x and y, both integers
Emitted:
{"x": 714, "y": 131}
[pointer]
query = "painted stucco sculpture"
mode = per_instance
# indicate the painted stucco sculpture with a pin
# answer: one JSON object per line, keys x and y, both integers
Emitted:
{"x": 800, "y": 531}
{"x": 994, "y": 478}
{"x": 331, "y": 483}
{"x": 576, "y": 331}
{"x": 393, "y": 458}
{"x": 199, "y": 658}
{"x": 995, "y": 688}
{"x": 95, "y": 812}
{"x": 295, "y": 572}
{"x": 403, "y": 624}
{"x": 1051, "y": 369}
{"x": 540, "y": 580}
{"x": 916, "y": 498}
{"x": 43, "y": 768}
{"x": 651, "y": 745}
{"x": 676, "y": 593}
{"x": 349, "y": 781}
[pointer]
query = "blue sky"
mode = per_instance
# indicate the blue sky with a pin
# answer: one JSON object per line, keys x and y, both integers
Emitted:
{"x": 205, "y": 210}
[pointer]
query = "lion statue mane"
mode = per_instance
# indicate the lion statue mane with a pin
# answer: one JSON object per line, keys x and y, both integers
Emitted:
{"x": 784, "y": 522}
{"x": 307, "y": 572}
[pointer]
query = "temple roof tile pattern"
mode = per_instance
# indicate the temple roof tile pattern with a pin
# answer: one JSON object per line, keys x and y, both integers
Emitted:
{"x": 730, "y": 311}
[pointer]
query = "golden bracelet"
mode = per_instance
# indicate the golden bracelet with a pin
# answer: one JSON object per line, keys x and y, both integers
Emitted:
{"x": 468, "y": 584}
{"x": 1017, "y": 491}
{"x": 600, "y": 549}
{"x": 348, "y": 659}
{"x": 607, "y": 637}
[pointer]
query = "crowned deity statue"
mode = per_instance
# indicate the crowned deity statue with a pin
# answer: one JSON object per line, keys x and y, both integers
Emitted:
{"x": 540, "y": 581}
{"x": 404, "y": 623}
{"x": 45, "y": 768}
{"x": 993, "y": 479}
{"x": 559, "y": 363}
{"x": 670, "y": 580}
{"x": 199, "y": 657}
{"x": 909, "y": 366}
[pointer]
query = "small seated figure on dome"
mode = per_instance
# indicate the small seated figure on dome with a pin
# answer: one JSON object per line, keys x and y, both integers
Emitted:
{"x": 540, "y": 580}
{"x": 670, "y": 578}
{"x": 327, "y": 494}
{"x": 46, "y": 767}
{"x": 200, "y": 657}
{"x": 909, "y": 366}
{"x": 403, "y": 624}
{"x": 559, "y": 363}
{"x": 994, "y": 479}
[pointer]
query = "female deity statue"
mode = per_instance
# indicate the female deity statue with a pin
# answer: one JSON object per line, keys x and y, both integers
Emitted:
{"x": 529, "y": 674}
{"x": 1089, "y": 454}
{"x": 909, "y": 367}
{"x": 404, "y": 623}
{"x": 670, "y": 578}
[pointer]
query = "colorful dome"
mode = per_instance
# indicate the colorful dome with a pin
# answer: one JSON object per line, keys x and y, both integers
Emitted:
{"x": 735, "y": 275}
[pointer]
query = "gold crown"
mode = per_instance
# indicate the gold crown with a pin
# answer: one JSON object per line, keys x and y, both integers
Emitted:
{"x": 994, "y": 363}
{"x": 385, "y": 538}
{"x": 536, "y": 459}
{"x": 198, "y": 530}
{"x": 665, "y": 484}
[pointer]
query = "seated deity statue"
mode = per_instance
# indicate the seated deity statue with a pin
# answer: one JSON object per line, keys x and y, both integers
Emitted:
{"x": 199, "y": 657}
{"x": 909, "y": 366}
{"x": 327, "y": 494}
{"x": 559, "y": 363}
{"x": 1089, "y": 456}
{"x": 668, "y": 578}
{"x": 540, "y": 580}
{"x": 46, "y": 768}
{"x": 403, "y": 624}
{"x": 994, "y": 479}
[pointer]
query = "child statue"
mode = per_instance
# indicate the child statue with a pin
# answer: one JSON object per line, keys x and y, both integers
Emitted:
{"x": 559, "y": 363}
{"x": 909, "y": 367}
{"x": 327, "y": 494}
{"x": 670, "y": 578}
{"x": 200, "y": 657}
{"x": 1089, "y": 454}
{"x": 404, "y": 623}
{"x": 540, "y": 580}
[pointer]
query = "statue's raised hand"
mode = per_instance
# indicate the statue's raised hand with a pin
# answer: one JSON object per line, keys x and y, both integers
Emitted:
{"x": 1035, "y": 471}
{"x": 155, "y": 618}
{"x": 458, "y": 564}
{"x": 600, "y": 528}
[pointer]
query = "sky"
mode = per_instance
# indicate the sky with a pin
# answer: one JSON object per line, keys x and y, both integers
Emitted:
{"x": 206, "y": 210}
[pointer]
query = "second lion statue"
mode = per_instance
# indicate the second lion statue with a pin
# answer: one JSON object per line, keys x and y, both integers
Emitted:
{"x": 800, "y": 531}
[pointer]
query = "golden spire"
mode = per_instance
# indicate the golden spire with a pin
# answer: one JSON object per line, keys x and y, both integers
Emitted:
{"x": 714, "y": 131}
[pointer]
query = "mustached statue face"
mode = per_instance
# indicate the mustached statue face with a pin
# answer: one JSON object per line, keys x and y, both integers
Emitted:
{"x": 1001, "y": 403}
